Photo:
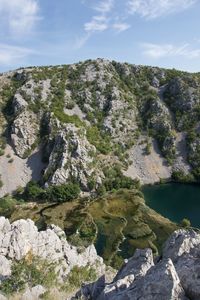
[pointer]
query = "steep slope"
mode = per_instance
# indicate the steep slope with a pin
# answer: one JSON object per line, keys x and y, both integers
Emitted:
{"x": 88, "y": 117}
{"x": 35, "y": 265}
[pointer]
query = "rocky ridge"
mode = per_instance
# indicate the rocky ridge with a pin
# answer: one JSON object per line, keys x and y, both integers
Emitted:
{"x": 172, "y": 276}
{"x": 97, "y": 113}
{"x": 21, "y": 240}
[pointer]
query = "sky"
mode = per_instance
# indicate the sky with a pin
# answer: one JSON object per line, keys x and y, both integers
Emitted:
{"x": 161, "y": 33}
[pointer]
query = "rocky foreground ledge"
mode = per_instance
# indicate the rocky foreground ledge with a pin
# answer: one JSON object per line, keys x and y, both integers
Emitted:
{"x": 174, "y": 276}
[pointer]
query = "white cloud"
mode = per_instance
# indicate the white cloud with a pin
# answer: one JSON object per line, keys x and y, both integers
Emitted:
{"x": 157, "y": 51}
{"x": 98, "y": 23}
{"x": 13, "y": 55}
{"x": 120, "y": 27}
{"x": 104, "y": 6}
{"x": 19, "y": 16}
{"x": 151, "y": 9}
{"x": 80, "y": 41}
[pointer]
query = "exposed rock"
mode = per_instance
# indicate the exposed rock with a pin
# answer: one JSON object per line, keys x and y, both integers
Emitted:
{"x": 183, "y": 247}
{"x": 21, "y": 237}
{"x": 34, "y": 293}
{"x": 72, "y": 156}
{"x": 24, "y": 132}
{"x": 18, "y": 104}
{"x": 175, "y": 275}
{"x": 138, "y": 265}
{"x": 161, "y": 282}
{"x": 5, "y": 267}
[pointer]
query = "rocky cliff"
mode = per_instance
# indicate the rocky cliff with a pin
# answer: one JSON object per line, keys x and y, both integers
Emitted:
{"x": 26, "y": 255}
{"x": 35, "y": 263}
{"x": 174, "y": 276}
{"x": 70, "y": 122}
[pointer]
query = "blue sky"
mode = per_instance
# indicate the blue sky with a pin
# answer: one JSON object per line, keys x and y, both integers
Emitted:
{"x": 152, "y": 32}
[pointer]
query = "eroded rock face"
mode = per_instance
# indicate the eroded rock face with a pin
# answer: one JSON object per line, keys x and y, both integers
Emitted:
{"x": 184, "y": 249}
{"x": 175, "y": 275}
{"x": 72, "y": 156}
{"x": 24, "y": 132}
{"x": 21, "y": 238}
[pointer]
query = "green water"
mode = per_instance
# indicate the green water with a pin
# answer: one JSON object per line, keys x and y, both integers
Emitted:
{"x": 175, "y": 201}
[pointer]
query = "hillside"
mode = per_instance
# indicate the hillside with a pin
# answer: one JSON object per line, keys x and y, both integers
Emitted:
{"x": 43, "y": 265}
{"x": 91, "y": 122}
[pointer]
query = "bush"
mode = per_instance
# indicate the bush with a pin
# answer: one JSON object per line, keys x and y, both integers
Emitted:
{"x": 180, "y": 176}
{"x": 100, "y": 141}
{"x": 114, "y": 179}
{"x": 7, "y": 206}
{"x": 2, "y": 152}
{"x": 78, "y": 276}
{"x": 29, "y": 273}
{"x": 63, "y": 193}
{"x": 33, "y": 191}
{"x": 185, "y": 223}
{"x": 1, "y": 183}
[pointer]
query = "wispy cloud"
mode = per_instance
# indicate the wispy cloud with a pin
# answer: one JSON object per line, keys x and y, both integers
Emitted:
{"x": 13, "y": 55}
{"x": 104, "y": 6}
{"x": 98, "y": 23}
{"x": 157, "y": 51}
{"x": 103, "y": 20}
{"x": 19, "y": 16}
{"x": 151, "y": 9}
{"x": 120, "y": 26}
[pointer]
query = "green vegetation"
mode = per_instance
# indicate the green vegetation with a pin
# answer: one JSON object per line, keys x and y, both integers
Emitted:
{"x": 100, "y": 140}
{"x": 62, "y": 193}
{"x": 29, "y": 273}
{"x": 180, "y": 176}
{"x": 7, "y": 206}
{"x": 105, "y": 221}
{"x": 115, "y": 180}
{"x": 185, "y": 223}
{"x": 59, "y": 193}
{"x": 77, "y": 276}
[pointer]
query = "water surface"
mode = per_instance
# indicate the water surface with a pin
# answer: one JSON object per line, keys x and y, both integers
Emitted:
{"x": 175, "y": 201}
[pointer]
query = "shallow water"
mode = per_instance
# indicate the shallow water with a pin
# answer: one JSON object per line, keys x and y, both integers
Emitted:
{"x": 175, "y": 201}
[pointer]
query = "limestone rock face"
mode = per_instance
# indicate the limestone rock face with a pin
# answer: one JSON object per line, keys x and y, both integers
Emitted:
{"x": 24, "y": 132}
{"x": 161, "y": 282}
{"x": 5, "y": 267}
{"x": 22, "y": 237}
{"x": 33, "y": 294}
{"x": 138, "y": 265}
{"x": 184, "y": 249}
{"x": 174, "y": 276}
{"x": 71, "y": 156}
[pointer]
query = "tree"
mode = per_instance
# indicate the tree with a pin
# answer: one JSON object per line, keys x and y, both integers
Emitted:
{"x": 63, "y": 193}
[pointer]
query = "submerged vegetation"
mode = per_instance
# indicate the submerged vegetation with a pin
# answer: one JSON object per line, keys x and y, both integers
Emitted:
{"x": 117, "y": 220}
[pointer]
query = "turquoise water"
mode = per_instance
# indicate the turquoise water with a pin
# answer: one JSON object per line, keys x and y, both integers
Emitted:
{"x": 175, "y": 201}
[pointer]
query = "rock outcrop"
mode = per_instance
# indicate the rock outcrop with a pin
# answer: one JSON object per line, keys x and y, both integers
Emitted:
{"x": 22, "y": 238}
{"x": 174, "y": 276}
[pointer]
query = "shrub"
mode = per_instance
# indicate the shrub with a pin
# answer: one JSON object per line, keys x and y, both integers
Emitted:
{"x": 99, "y": 140}
{"x": 114, "y": 179}
{"x": 78, "y": 276}
{"x": 1, "y": 183}
{"x": 185, "y": 223}
{"x": 1, "y": 152}
{"x": 63, "y": 193}
{"x": 29, "y": 273}
{"x": 33, "y": 191}
{"x": 180, "y": 176}
{"x": 7, "y": 206}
